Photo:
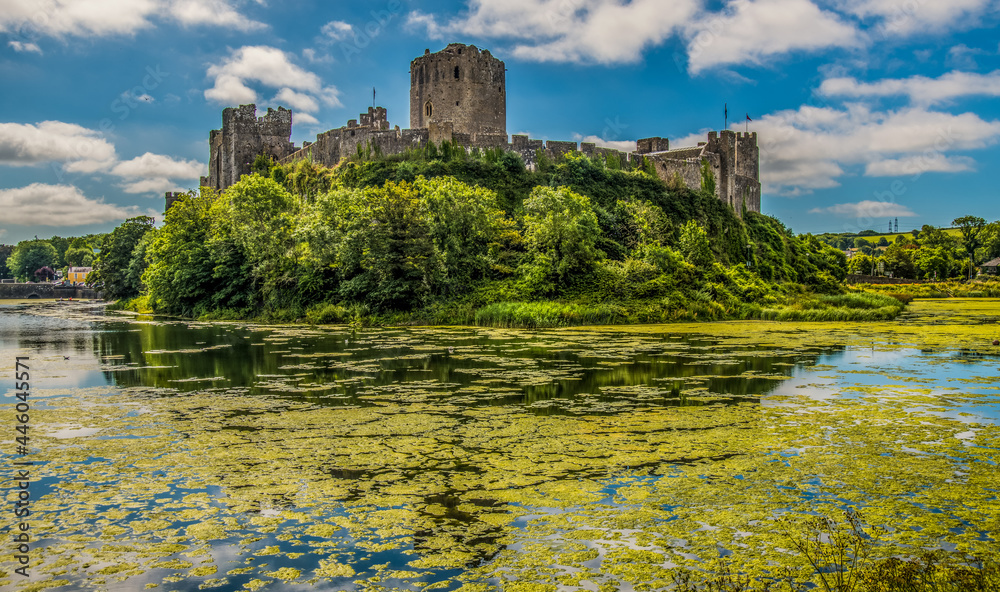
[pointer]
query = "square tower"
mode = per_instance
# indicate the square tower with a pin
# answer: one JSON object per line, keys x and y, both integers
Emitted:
{"x": 460, "y": 85}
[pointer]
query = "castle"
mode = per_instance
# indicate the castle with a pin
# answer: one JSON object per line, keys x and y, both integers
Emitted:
{"x": 459, "y": 95}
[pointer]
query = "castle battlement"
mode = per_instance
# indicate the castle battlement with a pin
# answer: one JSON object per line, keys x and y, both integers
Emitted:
{"x": 459, "y": 95}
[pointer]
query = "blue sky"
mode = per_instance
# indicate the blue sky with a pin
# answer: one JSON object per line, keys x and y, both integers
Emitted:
{"x": 866, "y": 109}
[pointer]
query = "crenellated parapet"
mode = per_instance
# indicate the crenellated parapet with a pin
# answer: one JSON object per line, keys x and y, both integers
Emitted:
{"x": 458, "y": 95}
{"x": 733, "y": 158}
{"x": 242, "y": 138}
{"x": 461, "y": 85}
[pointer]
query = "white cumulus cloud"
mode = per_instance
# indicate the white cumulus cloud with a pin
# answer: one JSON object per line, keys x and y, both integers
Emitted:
{"x": 78, "y": 148}
{"x": 156, "y": 173}
{"x": 921, "y": 90}
{"x": 100, "y": 18}
{"x": 158, "y": 165}
{"x": 272, "y": 68}
{"x": 58, "y": 205}
{"x": 898, "y": 18}
{"x": 933, "y": 162}
{"x": 295, "y": 100}
{"x": 598, "y": 31}
{"x": 867, "y": 209}
{"x": 337, "y": 31}
{"x": 755, "y": 30}
{"x": 81, "y": 150}
{"x": 212, "y": 12}
{"x": 21, "y": 47}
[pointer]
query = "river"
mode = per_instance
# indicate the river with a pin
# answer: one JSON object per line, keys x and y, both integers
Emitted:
{"x": 180, "y": 455}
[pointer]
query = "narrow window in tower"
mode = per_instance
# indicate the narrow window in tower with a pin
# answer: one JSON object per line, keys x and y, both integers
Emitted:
{"x": 428, "y": 109}
{"x": 456, "y": 72}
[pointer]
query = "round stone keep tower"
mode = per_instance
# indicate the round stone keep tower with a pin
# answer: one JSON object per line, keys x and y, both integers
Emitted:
{"x": 460, "y": 85}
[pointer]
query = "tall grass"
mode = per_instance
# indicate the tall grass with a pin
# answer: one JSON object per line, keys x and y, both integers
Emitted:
{"x": 853, "y": 307}
{"x": 983, "y": 288}
{"x": 534, "y": 315}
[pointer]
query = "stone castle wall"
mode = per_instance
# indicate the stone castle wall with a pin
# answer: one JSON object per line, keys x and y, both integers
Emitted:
{"x": 733, "y": 158}
{"x": 458, "y": 95}
{"x": 460, "y": 85}
{"x": 242, "y": 138}
{"x": 331, "y": 146}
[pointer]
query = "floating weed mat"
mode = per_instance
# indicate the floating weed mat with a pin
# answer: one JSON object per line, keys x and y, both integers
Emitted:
{"x": 479, "y": 459}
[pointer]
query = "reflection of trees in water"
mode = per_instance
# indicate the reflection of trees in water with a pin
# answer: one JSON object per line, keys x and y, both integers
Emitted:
{"x": 451, "y": 518}
{"x": 38, "y": 329}
{"x": 460, "y": 529}
{"x": 243, "y": 364}
{"x": 239, "y": 363}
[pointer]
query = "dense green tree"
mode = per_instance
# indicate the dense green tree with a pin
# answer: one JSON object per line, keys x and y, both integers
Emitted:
{"x": 990, "y": 248}
{"x": 467, "y": 230}
{"x": 899, "y": 261}
{"x": 860, "y": 264}
{"x": 972, "y": 236}
{"x": 31, "y": 255}
{"x": 185, "y": 272}
{"x": 883, "y": 242}
{"x": 386, "y": 257}
{"x": 561, "y": 233}
{"x": 648, "y": 227}
{"x": 60, "y": 244}
{"x": 79, "y": 256}
{"x": 694, "y": 245}
{"x": 935, "y": 262}
{"x": 931, "y": 236}
{"x": 258, "y": 215}
{"x": 5, "y": 253}
{"x": 111, "y": 268}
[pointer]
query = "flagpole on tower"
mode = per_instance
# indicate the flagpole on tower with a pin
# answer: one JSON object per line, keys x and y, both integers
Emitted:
{"x": 373, "y": 96}
{"x": 725, "y": 127}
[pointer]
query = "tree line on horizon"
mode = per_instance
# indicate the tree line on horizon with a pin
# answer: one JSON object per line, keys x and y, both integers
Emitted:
{"x": 931, "y": 252}
{"x": 29, "y": 259}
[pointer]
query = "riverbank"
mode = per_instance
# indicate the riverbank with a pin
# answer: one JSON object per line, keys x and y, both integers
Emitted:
{"x": 979, "y": 288}
{"x": 797, "y": 305}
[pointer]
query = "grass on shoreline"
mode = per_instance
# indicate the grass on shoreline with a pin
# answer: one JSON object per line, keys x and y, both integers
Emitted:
{"x": 982, "y": 288}
{"x": 851, "y": 307}
{"x": 862, "y": 303}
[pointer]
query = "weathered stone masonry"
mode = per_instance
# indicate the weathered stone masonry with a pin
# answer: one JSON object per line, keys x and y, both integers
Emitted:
{"x": 459, "y": 95}
{"x": 243, "y": 136}
{"x": 733, "y": 158}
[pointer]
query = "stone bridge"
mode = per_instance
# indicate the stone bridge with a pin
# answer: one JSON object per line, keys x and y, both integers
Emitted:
{"x": 29, "y": 291}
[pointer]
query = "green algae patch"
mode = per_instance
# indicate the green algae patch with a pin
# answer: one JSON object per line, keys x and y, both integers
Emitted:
{"x": 561, "y": 459}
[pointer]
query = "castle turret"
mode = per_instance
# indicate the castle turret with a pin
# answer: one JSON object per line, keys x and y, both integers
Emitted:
{"x": 172, "y": 197}
{"x": 242, "y": 138}
{"x": 461, "y": 88}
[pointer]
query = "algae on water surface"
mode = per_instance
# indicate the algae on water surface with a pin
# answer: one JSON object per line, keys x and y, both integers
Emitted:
{"x": 466, "y": 458}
